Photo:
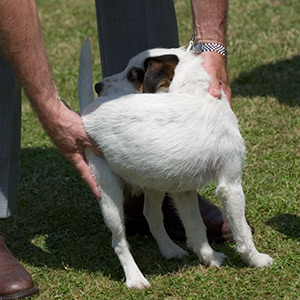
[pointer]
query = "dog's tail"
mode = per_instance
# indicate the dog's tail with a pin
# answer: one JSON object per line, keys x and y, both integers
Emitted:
{"x": 85, "y": 76}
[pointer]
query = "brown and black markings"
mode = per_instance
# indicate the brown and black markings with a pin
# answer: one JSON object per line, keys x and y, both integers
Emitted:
{"x": 158, "y": 73}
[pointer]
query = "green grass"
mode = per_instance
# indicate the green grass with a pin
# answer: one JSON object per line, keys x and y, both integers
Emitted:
{"x": 57, "y": 231}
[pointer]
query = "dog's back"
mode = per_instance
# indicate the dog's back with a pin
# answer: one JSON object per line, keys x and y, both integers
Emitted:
{"x": 165, "y": 141}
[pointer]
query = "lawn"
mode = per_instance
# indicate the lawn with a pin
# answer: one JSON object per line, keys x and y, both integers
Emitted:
{"x": 57, "y": 231}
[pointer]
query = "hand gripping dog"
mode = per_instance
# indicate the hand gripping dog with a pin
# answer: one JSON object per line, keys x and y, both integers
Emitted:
{"x": 161, "y": 131}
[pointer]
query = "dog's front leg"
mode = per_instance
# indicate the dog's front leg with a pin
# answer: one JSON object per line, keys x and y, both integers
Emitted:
{"x": 188, "y": 209}
{"x": 153, "y": 213}
{"x": 112, "y": 209}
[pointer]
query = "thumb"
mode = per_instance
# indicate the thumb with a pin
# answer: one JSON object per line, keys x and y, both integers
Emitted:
{"x": 215, "y": 89}
{"x": 79, "y": 163}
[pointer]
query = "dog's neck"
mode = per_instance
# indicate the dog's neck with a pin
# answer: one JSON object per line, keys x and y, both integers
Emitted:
{"x": 190, "y": 77}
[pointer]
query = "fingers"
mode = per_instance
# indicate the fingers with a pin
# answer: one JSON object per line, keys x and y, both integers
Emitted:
{"x": 95, "y": 148}
{"x": 79, "y": 163}
{"x": 227, "y": 91}
{"x": 217, "y": 86}
{"x": 215, "y": 89}
{"x": 71, "y": 140}
{"x": 215, "y": 66}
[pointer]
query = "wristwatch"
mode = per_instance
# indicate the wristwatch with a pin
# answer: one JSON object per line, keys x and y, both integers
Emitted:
{"x": 212, "y": 47}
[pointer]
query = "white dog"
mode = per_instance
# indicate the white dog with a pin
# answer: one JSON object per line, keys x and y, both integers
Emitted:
{"x": 173, "y": 142}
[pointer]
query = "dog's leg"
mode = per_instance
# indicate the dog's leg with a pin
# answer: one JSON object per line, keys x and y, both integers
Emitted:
{"x": 153, "y": 213}
{"x": 112, "y": 209}
{"x": 188, "y": 209}
{"x": 232, "y": 197}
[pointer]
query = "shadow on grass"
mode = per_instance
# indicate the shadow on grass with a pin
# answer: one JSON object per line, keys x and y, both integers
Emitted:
{"x": 280, "y": 79}
{"x": 287, "y": 224}
{"x": 58, "y": 223}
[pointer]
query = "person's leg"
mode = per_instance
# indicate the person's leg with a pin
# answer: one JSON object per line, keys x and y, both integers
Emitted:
{"x": 125, "y": 28}
{"x": 10, "y": 118}
{"x": 15, "y": 281}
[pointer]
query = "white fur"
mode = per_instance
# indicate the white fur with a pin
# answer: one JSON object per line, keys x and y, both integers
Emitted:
{"x": 173, "y": 142}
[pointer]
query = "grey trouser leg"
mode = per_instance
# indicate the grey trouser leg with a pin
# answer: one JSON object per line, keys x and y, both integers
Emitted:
{"x": 127, "y": 27}
{"x": 10, "y": 126}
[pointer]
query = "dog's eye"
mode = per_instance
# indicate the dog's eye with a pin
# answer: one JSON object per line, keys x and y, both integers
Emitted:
{"x": 136, "y": 75}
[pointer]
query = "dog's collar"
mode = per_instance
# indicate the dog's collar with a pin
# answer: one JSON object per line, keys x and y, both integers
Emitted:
{"x": 206, "y": 47}
{"x": 191, "y": 44}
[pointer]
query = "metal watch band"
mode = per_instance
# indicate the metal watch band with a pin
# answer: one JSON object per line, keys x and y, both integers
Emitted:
{"x": 213, "y": 47}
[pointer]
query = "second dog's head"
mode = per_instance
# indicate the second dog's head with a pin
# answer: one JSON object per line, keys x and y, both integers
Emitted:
{"x": 149, "y": 72}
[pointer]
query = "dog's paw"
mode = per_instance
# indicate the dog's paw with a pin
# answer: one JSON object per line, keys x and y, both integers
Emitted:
{"x": 214, "y": 259}
{"x": 217, "y": 259}
{"x": 260, "y": 260}
{"x": 141, "y": 283}
{"x": 173, "y": 251}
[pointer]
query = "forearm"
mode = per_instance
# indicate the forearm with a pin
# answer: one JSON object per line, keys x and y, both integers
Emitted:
{"x": 22, "y": 41}
{"x": 210, "y": 20}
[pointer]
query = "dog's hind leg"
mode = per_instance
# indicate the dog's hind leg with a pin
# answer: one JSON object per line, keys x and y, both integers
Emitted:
{"x": 112, "y": 209}
{"x": 153, "y": 213}
{"x": 188, "y": 209}
{"x": 232, "y": 196}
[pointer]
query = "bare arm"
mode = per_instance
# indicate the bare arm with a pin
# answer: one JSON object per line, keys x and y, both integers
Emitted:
{"x": 22, "y": 41}
{"x": 210, "y": 19}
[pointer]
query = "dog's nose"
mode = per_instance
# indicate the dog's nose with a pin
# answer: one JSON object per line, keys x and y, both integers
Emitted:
{"x": 98, "y": 87}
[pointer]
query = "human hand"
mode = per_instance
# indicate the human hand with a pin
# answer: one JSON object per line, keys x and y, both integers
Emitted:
{"x": 67, "y": 132}
{"x": 215, "y": 65}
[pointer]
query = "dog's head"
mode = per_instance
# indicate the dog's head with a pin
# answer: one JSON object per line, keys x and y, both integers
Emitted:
{"x": 156, "y": 75}
{"x": 151, "y": 71}
{"x": 158, "y": 70}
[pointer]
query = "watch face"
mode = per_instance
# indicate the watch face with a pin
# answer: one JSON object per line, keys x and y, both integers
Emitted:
{"x": 198, "y": 47}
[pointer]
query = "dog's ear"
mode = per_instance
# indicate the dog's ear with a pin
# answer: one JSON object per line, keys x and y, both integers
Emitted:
{"x": 159, "y": 72}
{"x": 136, "y": 77}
